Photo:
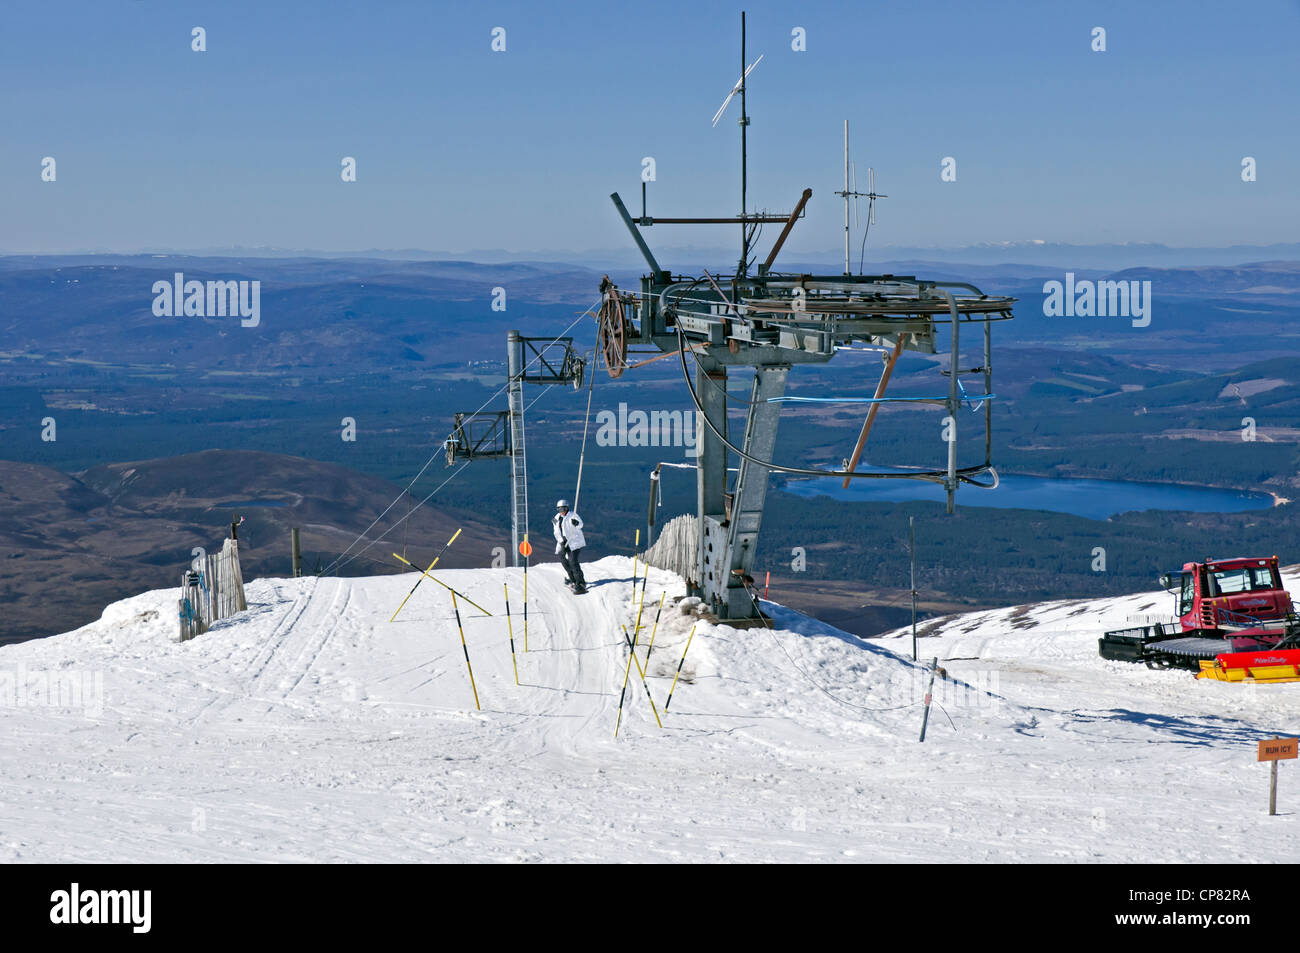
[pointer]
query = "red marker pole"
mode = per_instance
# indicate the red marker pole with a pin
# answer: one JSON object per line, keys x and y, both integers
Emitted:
{"x": 525, "y": 550}
{"x": 766, "y": 583}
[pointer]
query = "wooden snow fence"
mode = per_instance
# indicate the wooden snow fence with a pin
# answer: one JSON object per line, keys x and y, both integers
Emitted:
{"x": 211, "y": 589}
{"x": 678, "y": 548}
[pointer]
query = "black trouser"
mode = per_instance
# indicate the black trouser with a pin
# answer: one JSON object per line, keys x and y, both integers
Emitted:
{"x": 572, "y": 569}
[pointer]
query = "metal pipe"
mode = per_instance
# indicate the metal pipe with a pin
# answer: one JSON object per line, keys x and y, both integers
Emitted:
{"x": 764, "y": 217}
{"x": 988, "y": 389}
{"x": 847, "y": 269}
{"x": 911, "y": 529}
{"x": 871, "y": 414}
{"x": 950, "y": 481}
{"x": 654, "y": 499}
{"x": 659, "y": 273}
{"x": 785, "y": 232}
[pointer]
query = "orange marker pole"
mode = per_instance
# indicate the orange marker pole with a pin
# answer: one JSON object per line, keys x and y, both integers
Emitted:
{"x": 525, "y": 550}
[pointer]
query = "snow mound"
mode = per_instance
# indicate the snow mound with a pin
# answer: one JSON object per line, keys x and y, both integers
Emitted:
{"x": 313, "y": 728}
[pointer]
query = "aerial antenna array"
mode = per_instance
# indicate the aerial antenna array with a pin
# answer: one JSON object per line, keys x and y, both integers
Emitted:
{"x": 850, "y": 191}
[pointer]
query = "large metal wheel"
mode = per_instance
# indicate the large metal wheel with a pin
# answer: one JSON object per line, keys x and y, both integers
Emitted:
{"x": 611, "y": 331}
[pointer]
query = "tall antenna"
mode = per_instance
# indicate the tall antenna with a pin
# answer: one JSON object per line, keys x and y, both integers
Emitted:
{"x": 851, "y": 191}
{"x": 744, "y": 150}
{"x": 744, "y": 156}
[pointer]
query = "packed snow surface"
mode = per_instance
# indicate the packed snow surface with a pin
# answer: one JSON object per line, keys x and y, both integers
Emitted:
{"x": 311, "y": 728}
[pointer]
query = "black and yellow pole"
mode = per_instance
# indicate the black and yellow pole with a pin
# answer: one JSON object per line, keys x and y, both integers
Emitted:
{"x": 679, "y": 669}
{"x": 641, "y": 606}
{"x": 636, "y": 549}
{"x": 623, "y": 694}
{"x": 443, "y": 584}
{"x": 637, "y": 662}
{"x": 526, "y": 549}
{"x": 510, "y": 629}
{"x": 421, "y": 579}
{"x": 465, "y": 646}
{"x": 655, "y": 630}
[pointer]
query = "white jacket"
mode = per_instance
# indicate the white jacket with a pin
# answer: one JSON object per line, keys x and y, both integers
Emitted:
{"x": 568, "y": 530}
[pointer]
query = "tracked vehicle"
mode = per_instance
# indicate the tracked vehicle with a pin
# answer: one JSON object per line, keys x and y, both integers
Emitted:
{"x": 1235, "y": 622}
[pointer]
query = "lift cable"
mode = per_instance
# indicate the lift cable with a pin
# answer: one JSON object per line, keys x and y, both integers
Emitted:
{"x": 582, "y": 457}
{"x": 426, "y": 499}
{"x": 337, "y": 563}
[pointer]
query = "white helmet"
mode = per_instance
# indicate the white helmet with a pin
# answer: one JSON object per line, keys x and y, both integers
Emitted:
{"x": 562, "y": 504}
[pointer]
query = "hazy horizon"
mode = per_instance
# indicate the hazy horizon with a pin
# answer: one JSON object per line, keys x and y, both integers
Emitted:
{"x": 457, "y": 146}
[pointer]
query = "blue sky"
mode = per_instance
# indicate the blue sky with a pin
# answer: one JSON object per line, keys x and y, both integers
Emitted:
{"x": 460, "y": 148}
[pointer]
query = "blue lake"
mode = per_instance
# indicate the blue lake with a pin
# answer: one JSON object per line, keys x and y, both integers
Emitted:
{"x": 1094, "y": 499}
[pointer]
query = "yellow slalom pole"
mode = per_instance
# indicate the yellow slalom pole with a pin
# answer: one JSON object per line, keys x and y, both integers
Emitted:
{"x": 632, "y": 652}
{"x": 655, "y": 630}
{"x": 510, "y": 629}
{"x": 444, "y": 585}
{"x": 421, "y": 579}
{"x": 679, "y": 669}
{"x": 641, "y": 606}
{"x": 466, "y": 648}
{"x": 635, "y": 550}
{"x": 623, "y": 694}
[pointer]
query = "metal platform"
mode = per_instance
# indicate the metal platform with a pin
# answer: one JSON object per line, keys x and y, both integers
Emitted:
{"x": 1198, "y": 647}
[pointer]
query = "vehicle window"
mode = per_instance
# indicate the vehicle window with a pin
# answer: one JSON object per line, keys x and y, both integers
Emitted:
{"x": 1263, "y": 577}
{"x": 1231, "y": 581}
{"x": 1185, "y": 597}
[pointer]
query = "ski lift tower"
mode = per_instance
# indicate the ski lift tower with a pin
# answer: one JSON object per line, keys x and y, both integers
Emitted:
{"x": 500, "y": 433}
{"x": 771, "y": 322}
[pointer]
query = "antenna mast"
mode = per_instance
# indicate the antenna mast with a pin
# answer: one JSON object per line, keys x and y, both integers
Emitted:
{"x": 851, "y": 191}
{"x": 744, "y": 157}
{"x": 847, "y": 259}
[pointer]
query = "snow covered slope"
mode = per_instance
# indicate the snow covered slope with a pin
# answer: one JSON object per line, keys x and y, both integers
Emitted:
{"x": 312, "y": 728}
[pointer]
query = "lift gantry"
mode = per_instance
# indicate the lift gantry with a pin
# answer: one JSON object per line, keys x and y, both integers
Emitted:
{"x": 771, "y": 322}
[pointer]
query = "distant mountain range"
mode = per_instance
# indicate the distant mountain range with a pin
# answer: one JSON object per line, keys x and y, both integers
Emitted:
{"x": 327, "y": 316}
{"x": 1057, "y": 255}
{"x": 71, "y": 544}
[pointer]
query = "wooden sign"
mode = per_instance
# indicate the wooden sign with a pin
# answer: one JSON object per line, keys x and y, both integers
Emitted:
{"x": 1277, "y": 749}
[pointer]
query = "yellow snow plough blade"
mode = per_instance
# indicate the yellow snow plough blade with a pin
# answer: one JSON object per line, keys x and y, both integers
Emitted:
{"x": 1262, "y": 673}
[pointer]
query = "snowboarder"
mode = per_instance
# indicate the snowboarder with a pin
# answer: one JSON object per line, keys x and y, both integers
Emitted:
{"x": 568, "y": 545}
